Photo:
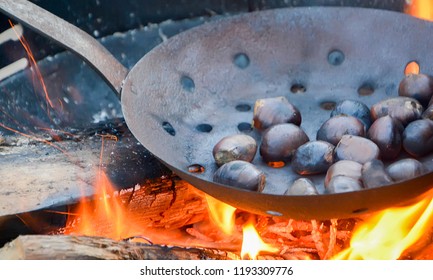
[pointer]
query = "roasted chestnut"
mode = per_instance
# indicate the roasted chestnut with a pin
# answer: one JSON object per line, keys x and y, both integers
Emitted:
{"x": 374, "y": 174}
{"x": 280, "y": 141}
{"x": 405, "y": 169}
{"x": 240, "y": 174}
{"x": 341, "y": 184}
{"x": 404, "y": 109}
{"x": 355, "y": 109}
{"x": 428, "y": 113}
{"x": 356, "y": 148}
{"x": 386, "y": 132}
{"x": 418, "y": 138}
{"x": 418, "y": 86}
{"x": 234, "y": 147}
{"x": 345, "y": 168}
{"x": 302, "y": 186}
{"x": 313, "y": 157}
{"x": 274, "y": 110}
{"x": 334, "y": 128}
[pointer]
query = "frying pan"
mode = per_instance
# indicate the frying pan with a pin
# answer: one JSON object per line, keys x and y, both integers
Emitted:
{"x": 185, "y": 95}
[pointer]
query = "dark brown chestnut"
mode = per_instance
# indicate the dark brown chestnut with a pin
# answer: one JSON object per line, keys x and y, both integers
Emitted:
{"x": 345, "y": 168}
{"x": 334, "y": 128}
{"x": 235, "y": 147}
{"x": 240, "y": 174}
{"x": 418, "y": 138}
{"x": 341, "y": 184}
{"x": 428, "y": 113}
{"x": 275, "y": 110}
{"x": 386, "y": 132}
{"x": 418, "y": 86}
{"x": 355, "y": 109}
{"x": 313, "y": 157}
{"x": 280, "y": 141}
{"x": 356, "y": 148}
{"x": 375, "y": 175}
{"x": 404, "y": 109}
{"x": 405, "y": 169}
{"x": 302, "y": 186}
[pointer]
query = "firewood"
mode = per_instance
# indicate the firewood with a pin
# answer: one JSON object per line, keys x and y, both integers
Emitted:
{"x": 168, "y": 203}
{"x": 62, "y": 247}
{"x": 58, "y": 168}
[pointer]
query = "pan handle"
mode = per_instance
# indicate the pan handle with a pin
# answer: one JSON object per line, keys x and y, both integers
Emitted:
{"x": 69, "y": 36}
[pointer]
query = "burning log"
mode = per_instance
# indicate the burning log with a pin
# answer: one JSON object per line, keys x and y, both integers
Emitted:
{"x": 167, "y": 203}
{"x": 62, "y": 247}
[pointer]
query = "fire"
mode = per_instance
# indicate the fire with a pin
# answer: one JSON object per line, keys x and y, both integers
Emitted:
{"x": 222, "y": 214}
{"x": 252, "y": 244}
{"x": 386, "y": 235}
{"x": 105, "y": 210}
{"x": 420, "y": 8}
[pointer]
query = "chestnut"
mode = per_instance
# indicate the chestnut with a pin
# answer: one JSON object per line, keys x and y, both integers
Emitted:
{"x": 313, "y": 157}
{"x": 240, "y": 174}
{"x": 274, "y": 110}
{"x": 386, "y": 132}
{"x": 374, "y": 174}
{"x": 280, "y": 141}
{"x": 355, "y": 109}
{"x": 302, "y": 186}
{"x": 235, "y": 147}
{"x": 345, "y": 168}
{"x": 341, "y": 184}
{"x": 418, "y": 86}
{"x": 418, "y": 138}
{"x": 428, "y": 113}
{"x": 334, "y": 128}
{"x": 356, "y": 148}
{"x": 404, "y": 109}
{"x": 405, "y": 169}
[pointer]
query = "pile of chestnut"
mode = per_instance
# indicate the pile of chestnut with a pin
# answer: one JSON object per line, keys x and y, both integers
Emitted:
{"x": 356, "y": 148}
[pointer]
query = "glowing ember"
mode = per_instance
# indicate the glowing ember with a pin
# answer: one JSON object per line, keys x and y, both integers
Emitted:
{"x": 221, "y": 214}
{"x": 386, "y": 235}
{"x": 252, "y": 244}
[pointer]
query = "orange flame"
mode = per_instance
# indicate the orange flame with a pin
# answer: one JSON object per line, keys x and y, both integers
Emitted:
{"x": 386, "y": 235}
{"x": 420, "y": 8}
{"x": 222, "y": 214}
{"x": 105, "y": 211}
{"x": 252, "y": 244}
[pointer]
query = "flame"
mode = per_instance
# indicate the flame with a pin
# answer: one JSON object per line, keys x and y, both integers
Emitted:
{"x": 422, "y": 9}
{"x": 252, "y": 244}
{"x": 105, "y": 210}
{"x": 387, "y": 234}
{"x": 222, "y": 214}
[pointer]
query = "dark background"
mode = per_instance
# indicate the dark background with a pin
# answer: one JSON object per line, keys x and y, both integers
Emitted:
{"x": 104, "y": 17}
